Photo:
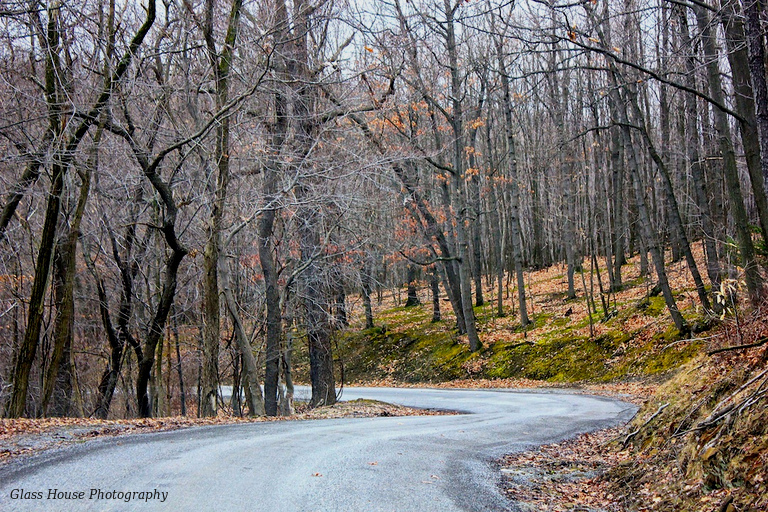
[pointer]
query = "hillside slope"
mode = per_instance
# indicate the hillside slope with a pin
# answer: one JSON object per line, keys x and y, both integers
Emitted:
{"x": 699, "y": 443}
{"x": 631, "y": 337}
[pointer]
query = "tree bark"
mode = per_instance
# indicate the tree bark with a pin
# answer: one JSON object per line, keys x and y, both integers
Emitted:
{"x": 745, "y": 105}
{"x": 58, "y": 382}
{"x": 63, "y": 154}
{"x": 475, "y": 200}
{"x": 28, "y": 349}
{"x": 678, "y": 230}
{"x": 701, "y": 193}
{"x": 500, "y": 241}
{"x": 755, "y": 44}
{"x": 315, "y": 316}
{"x": 617, "y": 199}
{"x": 619, "y": 110}
{"x": 457, "y": 181}
{"x": 211, "y": 330}
{"x": 365, "y": 280}
{"x": 434, "y": 284}
{"x": 730, "y": 170}
{"x": 312, "y": 279}
{"x": 514, "y": 210}
{"x": 112, "y": 372}
{"x": 412, "y": 297}
{"x": 256, "y": 405}
{"x": 272, "y": 299}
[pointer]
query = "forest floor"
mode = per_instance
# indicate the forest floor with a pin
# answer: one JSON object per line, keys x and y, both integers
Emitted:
{"x": 623, "y": 337}
{"x": 700, "y": 443}
{"x": 25, "y": 437}
{"x": 700, "y": 440}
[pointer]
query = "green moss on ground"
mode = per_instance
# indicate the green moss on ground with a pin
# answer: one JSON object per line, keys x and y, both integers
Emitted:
{"x": 409, "y": 348}
{"x": 636, "y": 338}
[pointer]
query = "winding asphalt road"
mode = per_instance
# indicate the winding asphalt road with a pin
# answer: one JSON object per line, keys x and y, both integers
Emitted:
{"x": 396, "y": 464}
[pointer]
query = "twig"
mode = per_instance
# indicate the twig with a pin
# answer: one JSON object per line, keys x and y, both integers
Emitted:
{"x": 631, "y": 435}
{"x": 759, "y": 343}
{"x": 718, "y": 413}
{"x": 698, "y": 405}
{"x": 691, "y": 339}
{"x": 7, "y": 310}
{"x": 430, "y": 262}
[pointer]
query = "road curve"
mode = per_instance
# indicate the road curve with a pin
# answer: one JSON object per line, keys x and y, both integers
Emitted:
{"x": 397, "y": 464}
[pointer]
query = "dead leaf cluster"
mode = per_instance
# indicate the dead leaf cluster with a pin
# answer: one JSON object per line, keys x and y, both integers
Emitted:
{"x": 566, "y": 475}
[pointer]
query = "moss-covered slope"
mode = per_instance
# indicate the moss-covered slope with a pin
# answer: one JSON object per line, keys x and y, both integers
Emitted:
{"x": 563, "y": 344}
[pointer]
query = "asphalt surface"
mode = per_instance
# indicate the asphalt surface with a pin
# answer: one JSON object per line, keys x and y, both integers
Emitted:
{"x": 395, "y": 464}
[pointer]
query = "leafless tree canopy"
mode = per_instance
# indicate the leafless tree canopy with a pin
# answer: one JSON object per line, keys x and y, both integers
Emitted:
{"x": 191, "y": 189}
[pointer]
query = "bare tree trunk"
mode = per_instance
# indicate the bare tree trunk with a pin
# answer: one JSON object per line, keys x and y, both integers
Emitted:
{"x": 514, "y": 210}
{"x": 272, "y": 299}
{"x": 211, "y": 330}
{"x": 422, "y": 212}
{"x": 457, "y": 181}
{"x": 179, "y": 370}
{"x": 312, "y": 280}
{"x": 475, "y": 201}
{"x": 412, "y": 297}
{"x": 695, "y": 160}
{"x": 559, "y": 98}
{"x": 617, "y": 198}
{"x": 256, "y": 406}
{"x": 568, "y": 238}
{"x": 120, "y": 336}
{"x": 161, "y": 314}
{"x": 285, "y": 402}
{"x": 500, "y": 239}
{"x": 28, "y": 178}
{"x": 111, "y": 374}
{"x": 755, "y": 43}
{"x": 28, "y": 349}
{"x": 434, "y": 284}
{"x": 730, "y": 170}
{"x": 315, "y": 316}
{"x": 678, "y": 230}
{"x": 58, "y": 382}
{"x": 365, "y": 280}
{"x": 340, "y": 319}
{"x": 432, "y": 231}
{"x": 157, "y": 393}
{"x": 619, "y": 108}
{"x": 538, "y": 259}
{"x": 63, "y": 155}
{"x": 266, "y": 221}
{"x": 657, "y": 256}
{"x": 745, "y": 105}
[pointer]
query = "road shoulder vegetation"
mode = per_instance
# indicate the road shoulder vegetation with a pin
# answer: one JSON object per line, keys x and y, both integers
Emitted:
{"x": 699, "y": 443}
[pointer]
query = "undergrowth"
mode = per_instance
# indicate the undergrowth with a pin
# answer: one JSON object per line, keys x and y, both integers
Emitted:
{"x": 561, "y": 344}
{"x": 701, "y": 443}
